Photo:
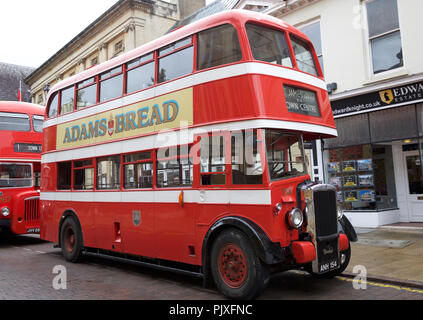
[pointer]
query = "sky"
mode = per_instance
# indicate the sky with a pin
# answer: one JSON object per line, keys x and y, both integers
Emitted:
{"x": 32, "y": 31}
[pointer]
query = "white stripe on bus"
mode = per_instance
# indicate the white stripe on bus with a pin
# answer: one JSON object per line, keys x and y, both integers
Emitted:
{"x": 189, "y": 81}
{"x": 168, "y": 139}
{"x": 249, "y": 197}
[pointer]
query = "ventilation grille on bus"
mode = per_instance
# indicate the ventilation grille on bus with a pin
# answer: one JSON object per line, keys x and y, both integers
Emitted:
{"x": 32, "y": 213}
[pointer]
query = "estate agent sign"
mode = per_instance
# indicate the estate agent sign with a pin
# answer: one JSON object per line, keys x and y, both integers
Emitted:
{"x": 389, "y": 98}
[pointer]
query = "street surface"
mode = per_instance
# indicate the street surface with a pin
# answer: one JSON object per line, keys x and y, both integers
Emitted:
{"x": 27, "y": 265}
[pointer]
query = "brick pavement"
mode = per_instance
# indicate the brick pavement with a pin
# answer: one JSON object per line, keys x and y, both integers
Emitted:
{"x": 26, "y": 265}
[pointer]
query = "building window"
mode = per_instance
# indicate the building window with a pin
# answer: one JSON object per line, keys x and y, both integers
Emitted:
{"x": 94, "y": 61}
{"x": 119, "y": 47}
{"x": 312, "y": 31}
{"x": 384, "y": 35}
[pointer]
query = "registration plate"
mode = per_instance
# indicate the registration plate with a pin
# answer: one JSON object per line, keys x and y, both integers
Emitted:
{"x": 328, "y": 266}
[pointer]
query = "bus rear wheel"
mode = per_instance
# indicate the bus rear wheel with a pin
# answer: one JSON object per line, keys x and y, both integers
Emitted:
{"x": 237, "y": 270}
{"x": 71, "y": 240}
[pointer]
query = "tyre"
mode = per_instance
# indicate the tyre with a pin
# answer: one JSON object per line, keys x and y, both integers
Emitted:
{"x": 237, "y": 271}
{"x": 71, "y": 240}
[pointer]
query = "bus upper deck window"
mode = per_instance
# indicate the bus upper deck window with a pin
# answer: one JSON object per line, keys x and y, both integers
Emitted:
{"x": 304, "y": 56}
{"x": 53, "y": 106}
{"x": 269, "y": 45}
{"x": 67, "y": 101}
{"x": 218, "y": 46}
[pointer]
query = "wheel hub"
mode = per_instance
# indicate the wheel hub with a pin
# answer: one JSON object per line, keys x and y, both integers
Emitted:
{"x": 233, "y": 265}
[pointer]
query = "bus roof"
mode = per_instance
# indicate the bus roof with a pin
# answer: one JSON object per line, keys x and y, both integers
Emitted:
{"x": 22, "y": 107}
{"x": 230, "y": 16}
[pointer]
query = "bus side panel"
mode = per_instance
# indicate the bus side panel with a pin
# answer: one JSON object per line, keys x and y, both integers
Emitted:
{"x": 175, "y": 232}
{"x": 137, "y": 228}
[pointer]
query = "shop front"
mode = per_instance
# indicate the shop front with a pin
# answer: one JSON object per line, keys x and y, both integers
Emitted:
{"x": 375, "y": 162}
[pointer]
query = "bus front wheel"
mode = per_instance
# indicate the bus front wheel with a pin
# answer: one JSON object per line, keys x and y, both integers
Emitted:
{"x": 71, "y": 240}
{"x": 237, "y": 270}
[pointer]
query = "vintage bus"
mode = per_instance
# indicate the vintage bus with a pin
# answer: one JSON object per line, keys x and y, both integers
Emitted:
{"x": 186, "y": 154}
{"x": 21, "y": 126}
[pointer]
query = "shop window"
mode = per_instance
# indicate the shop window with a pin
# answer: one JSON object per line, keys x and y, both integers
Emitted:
{"x": 140, "y": 74}
{"x": 363, "y": 176}
{"x": 384, "y": 35}
{"x": 83, "y": 175}
{"x": 138, "y": 171}
{"x": 174, "y": 168}
{"x": 178, "y": 62}
{"x": 64, "y": 175}
{"x": 86, "y": 94}
{"x": 212, "y": 160}
{"x": 246, "y": 160}
{"x": 111, "y": 84}
{"x": 218, "y": 46}
{"x": 108, "y": 173}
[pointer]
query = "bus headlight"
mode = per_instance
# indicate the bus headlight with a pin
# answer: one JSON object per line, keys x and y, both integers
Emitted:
{"x": 5, "y": 211}
{"x": 295, "y": 218}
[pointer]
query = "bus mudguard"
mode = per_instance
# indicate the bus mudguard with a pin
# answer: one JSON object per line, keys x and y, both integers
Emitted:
{"x": 346, "y": 227}
{"x": 268, "y": 252}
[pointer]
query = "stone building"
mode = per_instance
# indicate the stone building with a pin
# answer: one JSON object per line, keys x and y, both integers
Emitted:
{"x": 125, "y": 26}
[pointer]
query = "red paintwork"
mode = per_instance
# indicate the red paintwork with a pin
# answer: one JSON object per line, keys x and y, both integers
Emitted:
{"x": 168, "y": 230}
{"x": 344, "y": 243}
{"x": 303, "y": 251}
{"x": 15, "y": 197}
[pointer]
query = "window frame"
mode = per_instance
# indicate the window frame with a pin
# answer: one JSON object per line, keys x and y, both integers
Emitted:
{"x": 110, "y": 76}
{"x": 91, "y": 166}
{"x": 368, "y": 42}
{"x": 77, "y": 88}
{"x": 178, "y": 157}
{"x": 151, "y": 160}
{"x": 175, "y": 50}
{"x": 310, "y": 23}
{"x": 197, "y": 47}
{"x": 140, "y": 65}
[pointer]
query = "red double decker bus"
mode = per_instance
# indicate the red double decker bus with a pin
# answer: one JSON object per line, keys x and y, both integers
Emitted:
{"x": 21, "y": 127}
{"x": 186, "y": 154}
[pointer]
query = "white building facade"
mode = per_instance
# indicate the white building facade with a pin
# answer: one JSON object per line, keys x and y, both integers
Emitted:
{"x": 371, "y": 54}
